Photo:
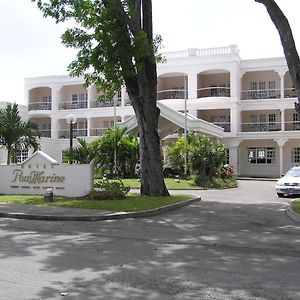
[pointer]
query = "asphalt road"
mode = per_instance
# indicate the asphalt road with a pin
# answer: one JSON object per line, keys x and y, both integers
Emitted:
{"x": 234, "y": 244}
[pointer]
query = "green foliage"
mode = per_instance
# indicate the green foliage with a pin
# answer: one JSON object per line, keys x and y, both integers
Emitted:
{"x": 111, "y": 42}
{"x": 226, "y": 171}
{"x": 82, "y": 154}
{"x": 214, "y": 182}
{"x": 124, "y": 146}
{"x": 204, "y": 155}
{"x": 16, "y": 134}
{"x": 175, "y": 152}
{"x": 109, "y": 190}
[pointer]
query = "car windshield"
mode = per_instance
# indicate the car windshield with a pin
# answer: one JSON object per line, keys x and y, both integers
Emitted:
{"x": 293, "y": 172}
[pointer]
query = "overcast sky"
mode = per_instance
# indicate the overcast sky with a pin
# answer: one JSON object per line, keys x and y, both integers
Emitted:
{"x": 30, "y": 44}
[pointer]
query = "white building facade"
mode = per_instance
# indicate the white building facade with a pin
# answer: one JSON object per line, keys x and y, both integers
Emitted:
{"x": 250, "y": 101}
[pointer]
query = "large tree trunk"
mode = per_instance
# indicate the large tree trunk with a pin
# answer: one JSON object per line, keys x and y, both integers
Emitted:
{"x": 142, "y": 90}
{"x": 288, "y": 43}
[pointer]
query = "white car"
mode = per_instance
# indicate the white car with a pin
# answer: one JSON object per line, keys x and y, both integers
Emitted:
{"x": 289, "y": 184}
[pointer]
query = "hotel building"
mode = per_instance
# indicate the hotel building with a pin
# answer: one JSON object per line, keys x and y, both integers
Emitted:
{"x": 246, "y": 104}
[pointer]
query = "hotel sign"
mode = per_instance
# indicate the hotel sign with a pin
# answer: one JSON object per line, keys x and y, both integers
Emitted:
{"x": 35, "y": 177}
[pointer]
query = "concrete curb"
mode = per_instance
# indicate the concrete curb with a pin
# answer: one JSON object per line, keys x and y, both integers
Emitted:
{"x": 292, "y": 214}
{"x": 111, "y": 216}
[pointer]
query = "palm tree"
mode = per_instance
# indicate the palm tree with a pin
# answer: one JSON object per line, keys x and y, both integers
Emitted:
{"x": 83, "y": 154}
{"x": 16, "y": 134}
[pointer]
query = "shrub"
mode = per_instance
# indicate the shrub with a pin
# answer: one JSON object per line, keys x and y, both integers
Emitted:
{"x": 226, "y": 171}
{"x": 215, "y": 182}
{"x": 109, "y": 190}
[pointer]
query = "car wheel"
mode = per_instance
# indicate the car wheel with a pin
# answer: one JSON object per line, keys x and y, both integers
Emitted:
{"x": 280, "y": 195}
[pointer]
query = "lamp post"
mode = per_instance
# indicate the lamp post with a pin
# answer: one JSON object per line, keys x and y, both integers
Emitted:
{"x": 71, "y": 120}
{"x": 115, "y": 126}
{"x": 185, "y": 126}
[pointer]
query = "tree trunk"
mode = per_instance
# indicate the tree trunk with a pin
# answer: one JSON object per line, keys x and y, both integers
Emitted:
{"x": 8, "y": 159}
{"x": 288, "y": 43}
{"x": 152, "y": 181}
{"x": 142, "y": 91}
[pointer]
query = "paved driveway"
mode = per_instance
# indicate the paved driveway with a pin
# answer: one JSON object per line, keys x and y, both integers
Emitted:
{"x": 235, "y": 244}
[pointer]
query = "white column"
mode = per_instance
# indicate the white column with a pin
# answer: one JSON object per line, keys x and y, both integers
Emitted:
{"x": 281, "y": 142}
{"x": 54, "y": 128}
{"x": 282, "y": 86}
{"x": 91, "y": 95}
{"x": 281, "y": 73}
{"x": 88, "y": 126}
{"x": 192, "y": 85}
{"x": 235, "y": 119}
{"x": 234, "y": 155}
{"x": 123, "y": 95}
{"x": 282, "y": 119}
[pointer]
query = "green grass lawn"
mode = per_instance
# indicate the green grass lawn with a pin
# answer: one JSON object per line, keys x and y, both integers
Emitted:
{"x": 296, "y": 206}
{"x": 170, "y": 183}
{"x": 132, "y": 203}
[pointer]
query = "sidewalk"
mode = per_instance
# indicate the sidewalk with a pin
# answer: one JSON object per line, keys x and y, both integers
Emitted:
{"x": 52, "y": 213}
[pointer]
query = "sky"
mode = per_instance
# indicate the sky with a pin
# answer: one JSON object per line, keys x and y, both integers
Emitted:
{"x": 30, "y": 44}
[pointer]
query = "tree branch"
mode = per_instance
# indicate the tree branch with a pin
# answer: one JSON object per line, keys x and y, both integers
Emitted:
{"x": 119, "y": 8}
{"x": 287, "y": 40}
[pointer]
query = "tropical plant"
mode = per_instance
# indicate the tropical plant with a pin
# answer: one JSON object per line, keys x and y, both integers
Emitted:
{"x": 83, "y": 154}
{"x": 116, "y": 153}
{"x": 116, "y": 46}
{"x": 16, "y": 134}
{"x": 204, "y": 155}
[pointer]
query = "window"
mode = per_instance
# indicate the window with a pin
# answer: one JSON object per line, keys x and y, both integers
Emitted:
{"x": 271, "y": 85}
{"x": 46, "y": 99}
{"x": 79, "y": 97}
{"x": 295, "y": 155}
{"x": 20, "y": 156}
{"x": 272, "y": 121}
{"x": 261, "y": 155}
{"x": 253, "y": 86}
{"x": 296, "y": 121}
{"x": 262, "y": 85}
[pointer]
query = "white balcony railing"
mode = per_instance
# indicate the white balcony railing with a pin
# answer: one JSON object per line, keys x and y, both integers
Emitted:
{"x": 258, "y": 127}
{"x": 106, "y": 103}
{"x": 217, "y": 91}
{"x": 290, "y": 93}
{"x": 260, "y": 94}
{"x": 45, "y": 133}
{"x": 64, "y": 134}
{"x": 232, "y": 49}
{"x": 171, "y": 94}
{"x": 73, "y": 105}
{"x": 39, "y": 106}
{"x": 291, "y": 126}
{"x": 224, "y": 125}
{"x": 97, "y": 131}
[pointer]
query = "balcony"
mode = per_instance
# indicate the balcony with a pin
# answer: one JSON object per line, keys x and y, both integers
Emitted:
{"x": 260, "y": 94}
{"x": 98, "y": 131}
{"x": 45, "y": 133}
{"x": 106, "y": 103}
{"x": 290, "y": 93}
{"x": 171, "y": 94}
{"x": 292, "y": 126}
{"x": 216, "y": 91}
{"x": 39, "y": 106}
{"x": 224, "y": 125}
{"x": 73, "y": 105}
{"x": 260, "y": 127}
{"x": 64, "y": 134}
